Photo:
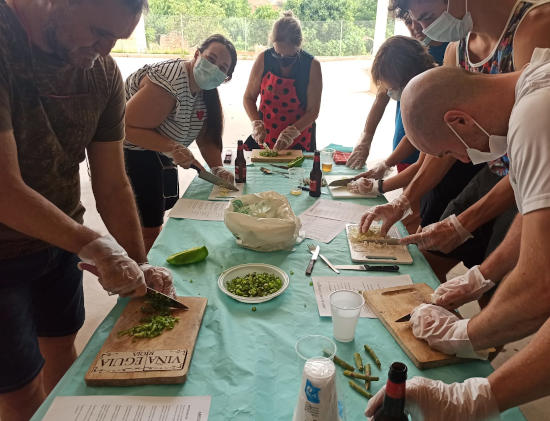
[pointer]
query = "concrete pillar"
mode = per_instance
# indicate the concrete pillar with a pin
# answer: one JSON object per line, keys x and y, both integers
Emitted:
{"x": 139, "y": 33}
{"x": 380, "y": 25}
{"x": 401, "y": 28}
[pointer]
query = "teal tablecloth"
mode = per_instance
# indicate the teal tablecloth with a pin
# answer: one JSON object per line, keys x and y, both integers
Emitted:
{"x": 245, "y": 360}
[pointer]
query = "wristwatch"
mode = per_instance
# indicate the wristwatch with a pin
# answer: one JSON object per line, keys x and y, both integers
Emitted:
{"x": 381, "y": 186}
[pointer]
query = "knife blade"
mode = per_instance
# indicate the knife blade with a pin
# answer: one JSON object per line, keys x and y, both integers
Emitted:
{"x": 341, "y": 182}
{"x": 405, "y": 318}
{"x": 314, "y": 256}
{"x": 324, "y": 259}
{"x": 211, "y": 178}
{"x": 370, "y": 268}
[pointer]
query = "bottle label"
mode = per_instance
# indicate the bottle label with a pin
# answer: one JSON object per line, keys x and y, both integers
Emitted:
{"x": 240, "y": 173}
{"x": 313, "y": 185}
{"x": 395, "y": 390}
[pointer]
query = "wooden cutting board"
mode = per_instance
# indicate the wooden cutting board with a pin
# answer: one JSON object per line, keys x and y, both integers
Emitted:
{"x": 396, "y": 254}
{"x": 390, "y": 304}
{"x": 123, "y": 361}
{"x": 286, "y": 155}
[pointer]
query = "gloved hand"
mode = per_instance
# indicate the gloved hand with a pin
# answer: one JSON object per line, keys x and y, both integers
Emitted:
{"x": 117, "y": 273}
{"x": 181, "y": 155}
{"x": 363, "y": 186}
{"x": 389, "y": 214}
{"x": 462, "y": 289}
{"x": 433, "y": 400}
{"x": 258, "y": 131}
{"x": 360, "y": 153}
{"x": 158, "y": 278}
{"x": 442, "y": 236}
{"x": 444, "y": 331}
{"x": 286, "y": 138}
{"x": 378, "y": 172}
{"x": 223, "y": 173}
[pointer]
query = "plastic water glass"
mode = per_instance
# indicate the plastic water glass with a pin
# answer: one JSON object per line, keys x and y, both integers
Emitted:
{"x": 315, "y": 346}
{"x": 326, "y": 159}
{"x": 346, "y": 307}
{"x": 296, "y": 180}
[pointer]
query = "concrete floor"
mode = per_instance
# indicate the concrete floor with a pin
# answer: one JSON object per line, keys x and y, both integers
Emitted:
{"x": 344, "y": 108}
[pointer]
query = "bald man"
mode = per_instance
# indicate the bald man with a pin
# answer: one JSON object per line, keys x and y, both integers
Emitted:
{"x": 469, "y": 128}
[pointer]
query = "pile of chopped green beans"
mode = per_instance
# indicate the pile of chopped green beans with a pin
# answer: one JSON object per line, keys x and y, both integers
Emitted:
{"x": 255, "y": 285}
{"x": 160, "y": 318}
{"x": 269, "y": 152}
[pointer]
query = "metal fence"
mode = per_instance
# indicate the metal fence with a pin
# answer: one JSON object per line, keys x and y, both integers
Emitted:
{"x": 181, "y": 34}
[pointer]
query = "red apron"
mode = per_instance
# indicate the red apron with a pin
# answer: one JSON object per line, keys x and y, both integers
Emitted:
{"x": 280, "y": 108}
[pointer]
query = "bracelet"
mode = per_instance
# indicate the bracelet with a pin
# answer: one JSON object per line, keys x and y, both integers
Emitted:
{"x": 381, "y": 186}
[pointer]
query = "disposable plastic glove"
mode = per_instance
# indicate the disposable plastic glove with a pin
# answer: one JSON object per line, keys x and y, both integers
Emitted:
{"x": 444, "y": 331}
{"x": 158, "y": 278}
{"x": 442, "y": 236}
{"x": 181, "y": 155}
{"x": 363, "y": 186}
{"x": 462, "y": 289}
{"x": 117, "y": 273}
{"x": 360, "y": 153}
{"x": 223, "y": 174}
{"x": 258, "y": 131}
{"x": 377, "y": 172}
{"x": 389, "y": 214}
{"x": 286, "y": 138}
{"x": 433, "y": 400}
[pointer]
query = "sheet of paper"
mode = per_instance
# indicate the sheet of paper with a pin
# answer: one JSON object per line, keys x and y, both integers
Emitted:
{"x": 321, "y": 229}
{"x": 204, "y": 210}
{"x": 125, "y": 408}
{"x": 324, "y": 285}
{"x": 221, "y": 193}
{"x": 339, "y": 211}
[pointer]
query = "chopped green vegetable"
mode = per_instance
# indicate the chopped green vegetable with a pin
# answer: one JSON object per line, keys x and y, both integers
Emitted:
{"x": 292, "y": 272}
{"x": 253, "y": 308}
{"x": 369, "y": 351}
{"x": 310, "y": 283}
{"x": 360, "y": 390}
{"x": 185, "y": 257}
{"x": 367, "y": 373}
{"x": 337, "y": 360}
{"x": 269, "y": 152}
{"x": 255, "y": 285}
{"x": 355, "y": 375}
{"x": 151, "y": 327}
{"x": 358, "y": 361}
{"x": 190, "y": 281}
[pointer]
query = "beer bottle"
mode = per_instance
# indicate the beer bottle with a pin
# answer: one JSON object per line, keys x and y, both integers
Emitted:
{"x": 240, "y": 164}
{"x": 315, "y": 176}
{"x": 393, "y": 408}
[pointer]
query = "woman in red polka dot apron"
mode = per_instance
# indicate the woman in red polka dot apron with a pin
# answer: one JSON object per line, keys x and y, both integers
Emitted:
{"x": 289, "y": 83}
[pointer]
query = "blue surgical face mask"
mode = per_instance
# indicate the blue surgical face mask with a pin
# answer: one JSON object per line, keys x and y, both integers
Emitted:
{"x": 395, "y": 94}
{"x": 497, "y": 146}
{"x": 207, "y": 75}
{"x": 447, "y": 28}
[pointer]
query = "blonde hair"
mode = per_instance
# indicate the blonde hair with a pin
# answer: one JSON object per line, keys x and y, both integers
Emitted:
{"x": 287, "y": 29}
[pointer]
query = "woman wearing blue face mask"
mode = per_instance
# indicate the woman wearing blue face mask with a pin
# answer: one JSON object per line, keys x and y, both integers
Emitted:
{"x": 289, "y": 83}
{"x": 170, "y": 105}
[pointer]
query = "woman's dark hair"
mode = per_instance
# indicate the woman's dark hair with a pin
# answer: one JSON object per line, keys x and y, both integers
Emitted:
{"x": 400, "y": 59}
{"x": 214, "y": 121}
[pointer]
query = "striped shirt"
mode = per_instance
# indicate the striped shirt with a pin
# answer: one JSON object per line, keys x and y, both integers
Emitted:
{"x": 185, "y": 121}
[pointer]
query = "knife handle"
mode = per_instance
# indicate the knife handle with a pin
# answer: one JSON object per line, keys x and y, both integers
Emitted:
{"x": 310, "y": 267}
{"x": 389, "y": 268}
{"x": 195, "y": 168}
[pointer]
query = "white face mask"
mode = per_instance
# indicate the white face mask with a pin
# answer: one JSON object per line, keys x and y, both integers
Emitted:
{"x": 497, "y": 146}
{"x": 426, "y": 41}
{"x": 207, "y": 75}
{"x": 447, "y": 28}
{"x": 395, "y": 94}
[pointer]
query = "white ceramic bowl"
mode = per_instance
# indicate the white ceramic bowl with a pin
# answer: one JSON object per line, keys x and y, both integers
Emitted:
{"x": 245, "y": 269}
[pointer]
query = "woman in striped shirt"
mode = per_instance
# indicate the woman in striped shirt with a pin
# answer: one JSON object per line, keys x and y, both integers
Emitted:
{"x": 169, "y": 105}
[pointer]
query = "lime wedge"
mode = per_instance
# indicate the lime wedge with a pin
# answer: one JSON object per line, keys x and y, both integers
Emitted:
{"x": 185, "y": 257}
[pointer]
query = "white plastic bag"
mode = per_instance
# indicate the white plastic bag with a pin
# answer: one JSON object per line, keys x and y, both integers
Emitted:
{"x": 263, "y": 221}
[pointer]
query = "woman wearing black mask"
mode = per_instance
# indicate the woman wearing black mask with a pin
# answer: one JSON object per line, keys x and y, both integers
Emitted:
{"x": 289, "y": 82}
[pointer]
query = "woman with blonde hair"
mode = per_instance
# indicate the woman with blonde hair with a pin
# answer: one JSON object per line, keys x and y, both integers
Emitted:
{"x": 289, "y": 83}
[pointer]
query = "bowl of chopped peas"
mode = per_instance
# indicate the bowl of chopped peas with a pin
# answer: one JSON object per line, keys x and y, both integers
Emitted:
{"x": 253, "y": 282}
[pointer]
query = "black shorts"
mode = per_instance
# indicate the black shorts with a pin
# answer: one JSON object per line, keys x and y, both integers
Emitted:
{"x": 154, "y": 179}
{"x": 40, "y": 295}
{"x": 488, "y": 236}
{"x": 434, "y": 203}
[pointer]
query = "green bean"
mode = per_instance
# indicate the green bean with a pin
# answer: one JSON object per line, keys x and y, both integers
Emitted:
{"x": 360, "y": 376}
{"x": 367, "y": 373}
{"x": 339, "y": 361}
{"x": 358, "y": 361}
{"x": 369, "y": 351}
{"x": 359, "y": 389}
{"x": 151, "y": 327}
{"x": 255, "y": 285}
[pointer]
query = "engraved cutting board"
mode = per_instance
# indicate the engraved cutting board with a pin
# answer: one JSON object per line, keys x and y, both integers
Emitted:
{"x": 285, "y": 155}
{"x": 385, "y": 253}
{"x": 123, "y": 361}
{"x": 390, "y": 304}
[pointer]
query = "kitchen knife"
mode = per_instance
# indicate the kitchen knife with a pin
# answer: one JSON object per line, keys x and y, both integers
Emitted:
{"x": 405, "y": 318}
{"x": 211, "y": 178}
{"x": 370, "y": 268}
{"x": 173, "y": 302}
{"x": 314, "y": 256}
{"x": 341, "y": 182}
{"x": 330, "y": 265}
